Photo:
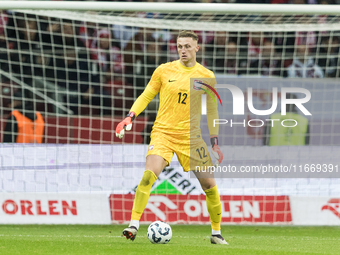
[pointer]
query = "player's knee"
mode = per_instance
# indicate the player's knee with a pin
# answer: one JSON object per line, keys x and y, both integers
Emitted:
{"x": 207, "y": 187}
{"x": 148, "y": 178}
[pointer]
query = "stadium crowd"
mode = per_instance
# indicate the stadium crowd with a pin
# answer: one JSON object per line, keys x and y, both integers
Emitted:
{"x": 108, "y": 66}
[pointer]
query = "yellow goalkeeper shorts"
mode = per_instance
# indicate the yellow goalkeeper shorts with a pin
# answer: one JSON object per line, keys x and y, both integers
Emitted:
{"x": 190, "y": 154}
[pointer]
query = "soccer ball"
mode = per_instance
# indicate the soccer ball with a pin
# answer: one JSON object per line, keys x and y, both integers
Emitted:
{"x": 159, "y": 232}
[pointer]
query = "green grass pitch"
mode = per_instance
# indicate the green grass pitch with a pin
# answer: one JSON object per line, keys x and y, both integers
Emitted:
{"x": 186, "y": 239}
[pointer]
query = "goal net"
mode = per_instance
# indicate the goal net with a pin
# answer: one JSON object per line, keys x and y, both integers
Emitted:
{"x": 82, "y": 70}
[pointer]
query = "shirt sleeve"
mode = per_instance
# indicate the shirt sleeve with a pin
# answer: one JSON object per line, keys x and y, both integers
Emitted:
{"x": 156, "y": 79}
{"x": 212, "y": 112}
{"x": 149, "y": 93}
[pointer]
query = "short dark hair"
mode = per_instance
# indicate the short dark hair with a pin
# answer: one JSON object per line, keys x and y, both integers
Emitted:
{"x": 186, "y": 33}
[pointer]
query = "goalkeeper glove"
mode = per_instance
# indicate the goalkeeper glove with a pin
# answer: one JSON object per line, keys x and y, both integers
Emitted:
{"x": 216, "y": 151}
{"x": 126, "y": 124}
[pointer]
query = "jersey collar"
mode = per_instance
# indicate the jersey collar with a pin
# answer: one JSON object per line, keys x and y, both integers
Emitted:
{"x": 186, "y": 68}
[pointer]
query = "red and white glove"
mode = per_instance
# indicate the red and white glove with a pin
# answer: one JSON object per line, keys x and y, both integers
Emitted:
{"x": 216, "y": 151}
{"x": 126, "y": 124}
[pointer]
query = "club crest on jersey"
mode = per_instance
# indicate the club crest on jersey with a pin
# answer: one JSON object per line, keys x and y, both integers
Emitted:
{"x": 151, "y": 147}
{"x": 197, "y": 85}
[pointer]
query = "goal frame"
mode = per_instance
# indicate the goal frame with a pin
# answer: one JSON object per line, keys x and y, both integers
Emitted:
{"x": 173, "y": 7}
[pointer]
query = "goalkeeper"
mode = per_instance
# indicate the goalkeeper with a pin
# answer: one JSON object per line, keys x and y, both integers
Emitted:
{"x": 177, "y": 130}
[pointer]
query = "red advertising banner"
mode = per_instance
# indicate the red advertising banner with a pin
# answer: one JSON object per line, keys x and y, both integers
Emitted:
{"x": 54, "y": 208}
{"x": 193, "y": 209}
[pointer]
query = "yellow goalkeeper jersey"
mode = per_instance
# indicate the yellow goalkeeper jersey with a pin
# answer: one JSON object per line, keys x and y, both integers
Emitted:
{"x": 179, "y": 111}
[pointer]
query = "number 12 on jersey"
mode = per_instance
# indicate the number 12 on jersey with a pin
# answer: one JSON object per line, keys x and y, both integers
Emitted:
{"x": 182, "y": 97}
{"x": 201, "y": 152}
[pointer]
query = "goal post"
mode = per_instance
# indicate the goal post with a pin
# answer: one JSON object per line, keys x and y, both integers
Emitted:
{"x": 83, "y": 64}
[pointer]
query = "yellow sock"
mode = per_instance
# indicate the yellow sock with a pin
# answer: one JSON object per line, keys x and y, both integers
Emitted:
{"x": 142, "y": 194}
{"x": 214, "y": 207}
